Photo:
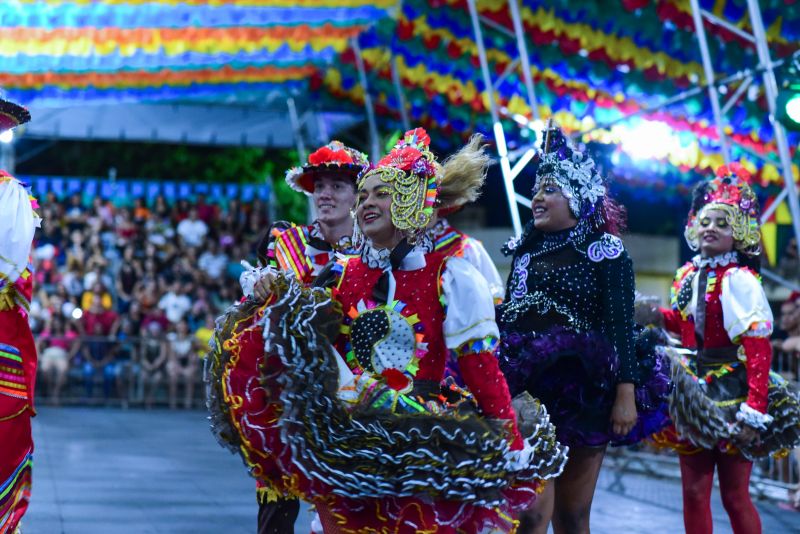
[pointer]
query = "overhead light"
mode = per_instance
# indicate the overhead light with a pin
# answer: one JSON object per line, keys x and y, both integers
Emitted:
{"x": 648, "y": 140}
{"x": 7, "y": 136}
{"x": 520, "y": 119}
{"x": 793, "y": 108}
{"x": 787, "y": 105}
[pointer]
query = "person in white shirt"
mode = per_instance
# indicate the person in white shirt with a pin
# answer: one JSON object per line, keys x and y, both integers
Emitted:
{"x": 213, "y": 261}
{"x": 192, "y": 230}
{"x": 175, "y": 303}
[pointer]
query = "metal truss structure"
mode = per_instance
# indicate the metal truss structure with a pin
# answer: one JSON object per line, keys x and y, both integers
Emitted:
{"x": 765, "y": 69}
{"x": 522, "y": 157}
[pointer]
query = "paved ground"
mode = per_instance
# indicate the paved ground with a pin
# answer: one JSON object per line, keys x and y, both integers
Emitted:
{"x": 110, "y": 471}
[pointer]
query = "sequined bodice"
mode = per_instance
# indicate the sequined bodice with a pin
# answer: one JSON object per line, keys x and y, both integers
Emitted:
{"x": 374, "y": 326}
{"x": 580, "y": 282}
{"x": 553, "y": 284}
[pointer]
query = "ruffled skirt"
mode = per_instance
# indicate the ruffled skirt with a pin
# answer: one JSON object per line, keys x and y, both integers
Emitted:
{"x": 704, "y": 405}
{"x": 364, "y": 468}
{"x": 575, "y": 377}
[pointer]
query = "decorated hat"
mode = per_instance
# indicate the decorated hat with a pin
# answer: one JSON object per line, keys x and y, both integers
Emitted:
{"x": 12, "y": 115}
{"x": 334, "y": 158}
{"x": 730, "y": 192}
{"x": 572, "y": 170}
{"x": 414, "y": 174}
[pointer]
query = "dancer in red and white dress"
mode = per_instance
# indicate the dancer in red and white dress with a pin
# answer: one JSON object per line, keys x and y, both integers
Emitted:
{"x": 727, "y": 407}
{"x": 368, "y": 428}
{"x": 18, "y": 223}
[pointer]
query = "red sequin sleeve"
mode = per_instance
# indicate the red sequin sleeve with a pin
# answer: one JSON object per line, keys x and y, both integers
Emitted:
{"x": 672, "y": 320}
{"x": 759, "y": 359}
{"x": 485, "y": 381}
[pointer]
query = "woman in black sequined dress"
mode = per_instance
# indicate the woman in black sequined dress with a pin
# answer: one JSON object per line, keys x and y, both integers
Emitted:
{"x": 568, "y": 335}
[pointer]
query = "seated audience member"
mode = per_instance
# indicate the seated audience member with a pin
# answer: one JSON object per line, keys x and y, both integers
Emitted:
{"x": 192, "y": 230}
{"x": 126, "y": 353}
{"x": 213, "y": 261}
{"x": 99, "y": 290}
{"x": 203, "y": 336}
{"x": 97, "y": 314}
{"x": 175, "y": 303}
{"x": 98, "y": 357}
{"x": 182, "y": 364}
{"x": 57, "y": 344}
{"x": 153, "y": 360}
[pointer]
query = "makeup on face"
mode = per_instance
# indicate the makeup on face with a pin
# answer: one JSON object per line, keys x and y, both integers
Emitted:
{"x": 714, "y": 232}
{"x": 550, "y": 208}
{"x": 374, "y": 214}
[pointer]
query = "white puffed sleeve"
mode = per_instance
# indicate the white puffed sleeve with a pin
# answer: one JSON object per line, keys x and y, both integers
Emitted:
{"x": 17, "y": 225}
{"x": 475, "y": 253}
{"x": 744, "y": 304}
{"x": 251, "y": 275}
{"x": 470, "y": 308}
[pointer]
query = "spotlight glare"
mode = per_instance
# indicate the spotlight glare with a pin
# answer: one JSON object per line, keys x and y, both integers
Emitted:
{"x": 520, "y": 119}
{"x": 7, "y": 136}
{"x": 793, "y": 108}
{"x": 648, "y": 140}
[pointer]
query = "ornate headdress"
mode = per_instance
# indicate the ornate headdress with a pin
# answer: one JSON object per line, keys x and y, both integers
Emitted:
{"x": 334, "y": 157}
{"x": 729, "y": 191}
{"x": 414, "y": 174}
{"x": 12, "y": 115}
{"x": 573, "y": 171}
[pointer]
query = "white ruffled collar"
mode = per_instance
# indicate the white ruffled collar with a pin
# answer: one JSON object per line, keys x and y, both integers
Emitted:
{"x": 716, "y": 261}
{"x": 378, "y": 258}
{"x": 344, "y": 245}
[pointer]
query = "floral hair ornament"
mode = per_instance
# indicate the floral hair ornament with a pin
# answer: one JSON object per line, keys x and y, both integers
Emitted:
{"x": 333, "y": 158}
{"x": 729, "y": 192}
{"x": 572, "y": 170}
{"x": 414, "y": 174}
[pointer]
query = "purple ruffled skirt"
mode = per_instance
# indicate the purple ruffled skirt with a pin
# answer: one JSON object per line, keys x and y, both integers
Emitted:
{"x": 575, "y": 376}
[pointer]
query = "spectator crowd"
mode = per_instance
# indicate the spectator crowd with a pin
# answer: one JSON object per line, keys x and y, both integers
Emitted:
{"x": 126, "y": 296}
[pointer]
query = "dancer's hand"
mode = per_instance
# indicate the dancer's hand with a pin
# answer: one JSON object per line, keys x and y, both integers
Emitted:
{"x": 263, "y": 287}
{"x": 747, "y": 435}
{"x": 623, "y": 414}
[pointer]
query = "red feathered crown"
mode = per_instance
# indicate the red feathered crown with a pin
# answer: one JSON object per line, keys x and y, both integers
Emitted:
{"x": 333, "y": 157}
{"x": 415, "y": 174}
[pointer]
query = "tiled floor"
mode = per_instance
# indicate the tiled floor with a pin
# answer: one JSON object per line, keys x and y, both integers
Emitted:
{"x": 110, "y": 471}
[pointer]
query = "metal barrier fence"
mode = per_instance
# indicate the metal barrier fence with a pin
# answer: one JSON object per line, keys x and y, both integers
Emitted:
{"x": 149, "y": 371}
{"x": 127, "y": 371}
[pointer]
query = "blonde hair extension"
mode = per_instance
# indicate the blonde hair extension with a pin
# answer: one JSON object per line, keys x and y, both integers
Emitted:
{"x": 464, "y": 173}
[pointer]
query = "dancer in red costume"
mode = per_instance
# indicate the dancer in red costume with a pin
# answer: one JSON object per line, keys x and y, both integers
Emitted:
{"x": 329, "y": 179}
{"x": 17, "y": 350}
{"x": 727, "y": 408}
{"x": 368, "y": 432}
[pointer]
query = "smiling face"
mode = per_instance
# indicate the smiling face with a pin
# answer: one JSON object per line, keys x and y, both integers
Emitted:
{"x": 374, "y": 213}
{"x": 334, "y": 197}
{"x": 551, "y": 208}
{"x": 714, "y": 232}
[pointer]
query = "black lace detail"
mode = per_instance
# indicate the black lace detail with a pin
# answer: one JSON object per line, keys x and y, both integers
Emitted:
{"x": 381, "y": 290}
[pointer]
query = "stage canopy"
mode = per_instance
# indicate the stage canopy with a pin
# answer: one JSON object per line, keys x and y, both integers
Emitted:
{"x": 220, "y": 71}
{"x": 196, "y": 71}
